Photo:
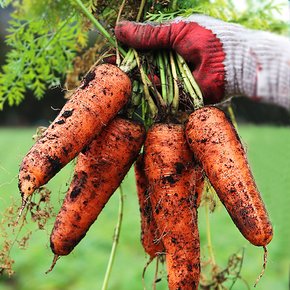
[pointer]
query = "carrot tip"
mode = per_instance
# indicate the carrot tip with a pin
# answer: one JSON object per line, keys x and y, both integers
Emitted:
{"x": 55, "y": 258}
{"x": 24, "y": 203}
{"x": 264, "y": 266}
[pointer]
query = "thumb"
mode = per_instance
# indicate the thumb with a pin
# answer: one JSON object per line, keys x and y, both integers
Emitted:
{"x": 144, "y": 36}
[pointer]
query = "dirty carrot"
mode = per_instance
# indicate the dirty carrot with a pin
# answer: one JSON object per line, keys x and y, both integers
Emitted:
{"x": 216, "y": 145}
{"x": 101, "y": 95}
{"x": 170, "y": 169}
{"x": 99, "y": 171}
{"x": 150, "y": 236}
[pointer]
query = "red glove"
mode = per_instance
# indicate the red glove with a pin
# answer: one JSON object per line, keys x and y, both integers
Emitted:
{"x": 226, "y": 59}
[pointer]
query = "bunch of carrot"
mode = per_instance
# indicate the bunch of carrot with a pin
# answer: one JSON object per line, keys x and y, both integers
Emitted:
{"x": 169, "y": 173}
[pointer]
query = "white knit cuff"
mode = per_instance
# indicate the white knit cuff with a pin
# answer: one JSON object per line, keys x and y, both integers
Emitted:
{"x": 257, "y": 63}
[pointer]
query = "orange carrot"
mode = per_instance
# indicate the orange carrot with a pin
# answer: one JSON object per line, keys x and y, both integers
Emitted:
{"x": 102, "y": 94}
{"x": 150, "y": 236}
{"x": 170, "y": 169}
{"x": 100, "y": 169}
{"x": 215, "y": 143}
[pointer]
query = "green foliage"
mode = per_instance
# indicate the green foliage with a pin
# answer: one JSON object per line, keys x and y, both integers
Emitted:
{"x": 188, "y": 4}
{"x": 44, "y": 38}
{"x": 5, "y": 3}
{"x": 260, "y": 15}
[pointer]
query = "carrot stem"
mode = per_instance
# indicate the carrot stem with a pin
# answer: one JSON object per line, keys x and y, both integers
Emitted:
{"x": 118, "y": 58}
{"x": 175, "y": 99}
{"x": 174, "y": 5}
{"x": 115, "y": 240}
{"x": 162, "y": 77}
{"x": 98, "y": 25}
{"x": 151, "y": 104}
{"x": 141, "y": 8}
{"x": 169, "y": 78}
{"x": 128, "y": 62}
{"x": 189, "y": 82}
{"x": 232, "y": 116}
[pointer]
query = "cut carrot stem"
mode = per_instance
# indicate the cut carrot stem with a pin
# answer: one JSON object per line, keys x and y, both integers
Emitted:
{"x": 129, "y": 62}
{"x": 189, "y": 83}
{"x": 152, "y": 107}
{"x": 162, "y": 77}
{"x": 175, "y": 100}
{"x": 169, "y": 77}
{"x": 232, "y": 116}
{"x": 190, "y": 78}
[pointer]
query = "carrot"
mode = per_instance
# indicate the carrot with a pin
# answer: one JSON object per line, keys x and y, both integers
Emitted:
{"x": 216, "y": 145}
{"x": 150, "y": 236}
{"x": 102, "y": 94}
{"x": 99, "y": 171}
{"x": 170, "y": 169}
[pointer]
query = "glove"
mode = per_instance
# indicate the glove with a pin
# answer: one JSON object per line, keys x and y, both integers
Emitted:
{"x": 226, "y": 59}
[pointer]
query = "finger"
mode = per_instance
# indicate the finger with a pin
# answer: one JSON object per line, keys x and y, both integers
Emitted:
{"x": 177, "y": 35}
{"x": 144, "y": 36}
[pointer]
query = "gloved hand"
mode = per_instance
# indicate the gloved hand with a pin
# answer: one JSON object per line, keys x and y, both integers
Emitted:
{"x": 226, "y": 59}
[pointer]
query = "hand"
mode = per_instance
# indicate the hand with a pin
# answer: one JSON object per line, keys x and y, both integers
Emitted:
{"x": 226, "y": 59}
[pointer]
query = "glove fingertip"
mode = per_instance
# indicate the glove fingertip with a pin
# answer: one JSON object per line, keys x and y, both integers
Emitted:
{"x": 124, "y": 32}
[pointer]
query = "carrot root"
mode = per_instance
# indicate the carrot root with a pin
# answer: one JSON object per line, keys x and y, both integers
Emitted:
{"x": 216, "y": 145}
{"x": 99, "y": 171}
{"x": 150, "y": 236}
{"x": 55, "y": 259}
{"x": 264, "y": 266}
{"x": 170, "y": 169}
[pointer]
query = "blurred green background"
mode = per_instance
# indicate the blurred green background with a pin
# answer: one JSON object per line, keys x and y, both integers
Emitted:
{"x": 269, "y": 155}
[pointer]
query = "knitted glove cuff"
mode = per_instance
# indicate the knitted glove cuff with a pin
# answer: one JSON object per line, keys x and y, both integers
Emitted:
{"x": 257, "y": 64}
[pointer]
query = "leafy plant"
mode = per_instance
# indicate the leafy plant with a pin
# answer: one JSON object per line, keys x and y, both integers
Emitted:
{"x": 44, "y": 41}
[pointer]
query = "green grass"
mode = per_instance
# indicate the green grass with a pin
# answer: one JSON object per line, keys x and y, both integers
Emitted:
{"x": 84, "y": 269}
